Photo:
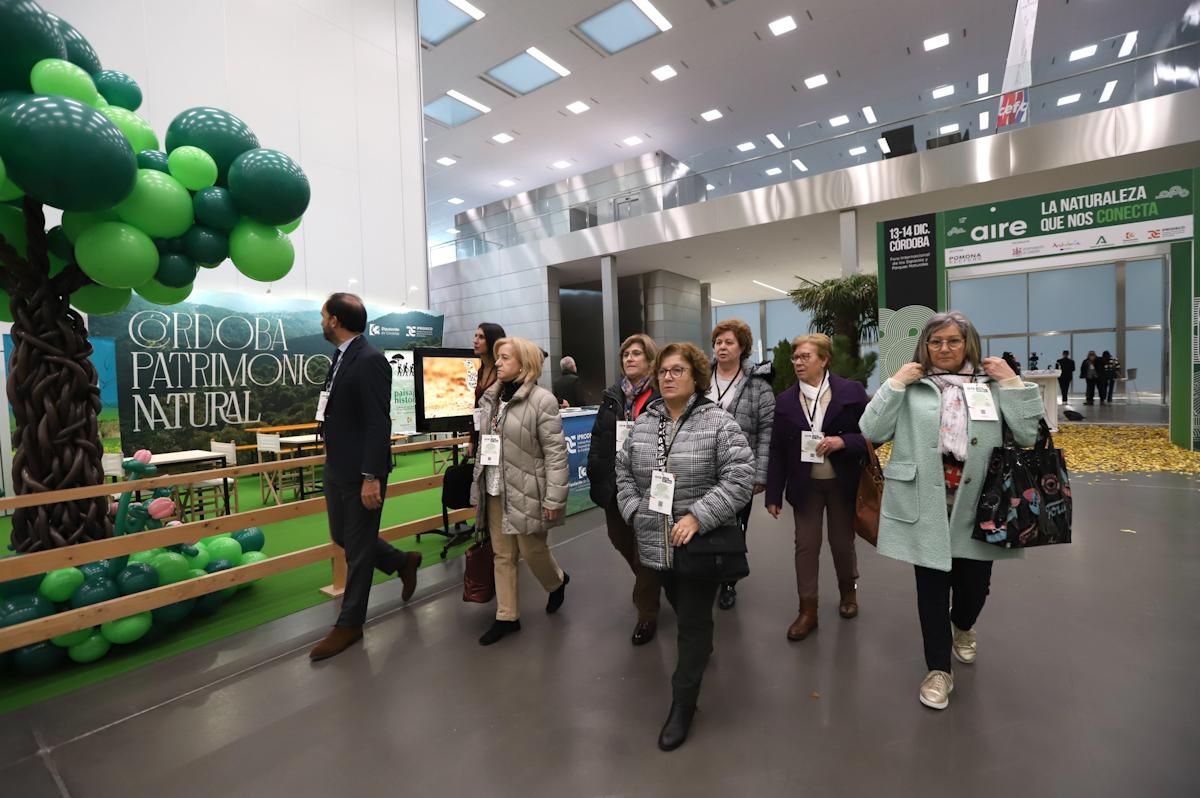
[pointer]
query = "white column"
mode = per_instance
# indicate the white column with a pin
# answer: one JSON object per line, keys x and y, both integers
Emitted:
{"x": 848, "y": 230}
{"x": 612, "y": 319}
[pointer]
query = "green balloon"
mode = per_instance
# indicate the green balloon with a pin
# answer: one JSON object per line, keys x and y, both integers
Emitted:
{"x": 291, "y": 226}
{"x": 208, "y": 247}
{"x": 268, "y": 186}
{"x": 117, "y": 255}
{"x": 153, "y": 159}
{"x": 136, "y": 577}
{"x": 38, "y": 658}
{"x": 249, "y": 558}
{"x": 214, "y": 207}
{"x": 159, "y": 294}
{"x": 23, "y": 607}
{"x": 145, "y": 556}
{"x": 260, "y": 251}
{"x": 94, "y": 591}
{"x": 175, "y": 270}
{"x": 200, "y": 559}
{"x": 171, "y": 568}
{"x": 9, "y": 190}
{"x": 137, "y": 130}
{"x": 59, "y": 244}
{"x": 193, "y": 167}
{"x": 12, "y": 228}
{"x": 225, "y": 549}
{"x": 124, "y": 631}
{"x": 196, "y": 573}
{"x": 120, "y": 90}
{"x": 79, "y": 49}
{"x": 173, "y": 613}
{"x": 27, "y": 35}
{"x": 98, "y": 300}
{"x": 251, "y": 538}
{"x": 75, "y": 222}
{"x": 58, "y": 76}
{"x": 57, "y": 586}
{"x": 158, "y": 205}
{"x": 73, "y": 638}
{"x": 219, "y": 133}
{"x": 66, "y": 153}
{"x": 3, "y": 173}
{"x": 6, "y": 313}
{"x": 92, "y": 649}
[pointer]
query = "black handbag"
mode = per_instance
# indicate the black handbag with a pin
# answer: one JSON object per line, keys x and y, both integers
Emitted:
{"x": 718, "y": 556}
{"x": 456, "y": 485}
{"x": 1026, "y": 496}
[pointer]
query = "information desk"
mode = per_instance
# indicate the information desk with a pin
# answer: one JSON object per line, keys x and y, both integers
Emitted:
{"x": 577, "y": 427}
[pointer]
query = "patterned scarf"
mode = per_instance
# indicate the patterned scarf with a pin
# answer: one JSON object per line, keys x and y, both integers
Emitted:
{"x": 952, "y": 439}
{"x": 632, "y": 392}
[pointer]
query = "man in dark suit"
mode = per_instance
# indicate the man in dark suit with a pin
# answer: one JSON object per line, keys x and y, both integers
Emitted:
{"x": 1067, "y": 366}
{"x": 356, "y": 424}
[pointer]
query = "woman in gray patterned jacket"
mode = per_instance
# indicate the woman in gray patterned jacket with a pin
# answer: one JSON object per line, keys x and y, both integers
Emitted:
{"x": 704, "y": 450}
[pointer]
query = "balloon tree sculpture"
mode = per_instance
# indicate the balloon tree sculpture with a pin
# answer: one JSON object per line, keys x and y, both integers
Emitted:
{"x": 136, "y": 218}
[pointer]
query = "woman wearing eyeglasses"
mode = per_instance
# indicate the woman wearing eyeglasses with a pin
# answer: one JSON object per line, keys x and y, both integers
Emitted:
{"x": 942, "y": 414}
{"x": 702, "y": 448}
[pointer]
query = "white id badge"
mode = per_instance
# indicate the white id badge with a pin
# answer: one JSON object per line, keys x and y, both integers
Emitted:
{"x": 808, "y": 447}
{"x": 489, "y": 450}
{"x": 662, "y": 492}
{"x": 980, "y": 403}
{"x": 322, "y": 400}
{"x": 623, "y": 430}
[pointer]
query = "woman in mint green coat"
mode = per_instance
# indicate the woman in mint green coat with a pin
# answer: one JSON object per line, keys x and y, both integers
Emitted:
{"x": 934, "y": 477}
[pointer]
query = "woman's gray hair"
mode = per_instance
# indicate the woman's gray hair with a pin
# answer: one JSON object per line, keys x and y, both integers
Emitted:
{"x": 972, "y": 353}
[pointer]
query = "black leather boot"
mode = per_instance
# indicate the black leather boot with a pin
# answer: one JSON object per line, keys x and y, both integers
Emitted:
{"x": 679, "y": 721}
{"x": 498, "y": 630}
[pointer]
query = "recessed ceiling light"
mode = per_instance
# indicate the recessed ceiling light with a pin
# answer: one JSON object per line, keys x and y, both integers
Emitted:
{"x": 548, "y": 61}
{"x": 1082, "y": 52}
{"x": 857, "y": 151}
{"x": 1106, "y": 95}
{"x": 934, "y": 42}
{"x": 983, "y": 83}
{"x": 647, "y": 8}
{"x": 745, "y": 146}
{"x": 946, "y": 130}
{"x": 838, "y": 121}
{"x": 782, "y": 25}
{"x": 884, "y": 147}
{"x": 943, "y": 91}
{"x": 771, "y": 137}
{"x": 799, "y": 164}
{"x": 444, "y": 161}
{"x": 774, "y": 170}
{"x": 985, "y": 120}
{"x": 502, "y": 138}
{"x": 561, "y": 164}
{"x": 710, "y": 187}
{"x": 1127, "y": 45}
{"x": 578, "y": 107}
{"x": 718, "y": 301}
{"x": 507, "y": 183}
{"x": 453, "y": 231}
{"x": 711, "y": 116}
{"x": 869, "y": 114}
{"x": 1070, "y": 98}
{"x": 631, "y": 141}
{"x": 467, "y": 8}
{"x": 456, "y": 200}
{"x": 664, "y": 72}
{"x": 462, "y": 98}
{"x": 414, "y": 288}
{"x": 816, "y": 81}
{"x": 773, "y": 288}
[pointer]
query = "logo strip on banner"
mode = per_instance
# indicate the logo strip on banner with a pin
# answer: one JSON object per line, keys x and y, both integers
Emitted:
{"x": 1018, "y": 71}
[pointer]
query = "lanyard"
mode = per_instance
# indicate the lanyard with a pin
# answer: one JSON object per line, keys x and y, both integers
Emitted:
{"x": 717, "y": 384}
{"x": 811, "y": 416}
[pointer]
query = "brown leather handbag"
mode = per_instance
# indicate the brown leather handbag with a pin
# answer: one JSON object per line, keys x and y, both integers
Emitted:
{"x": 869, "y": 498}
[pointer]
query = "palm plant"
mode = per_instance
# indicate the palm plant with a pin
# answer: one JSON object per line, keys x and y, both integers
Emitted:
{"x": 843, "y": 307}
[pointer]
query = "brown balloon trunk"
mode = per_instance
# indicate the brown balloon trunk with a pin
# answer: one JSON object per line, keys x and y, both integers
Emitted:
{"x": 55, "y": 398}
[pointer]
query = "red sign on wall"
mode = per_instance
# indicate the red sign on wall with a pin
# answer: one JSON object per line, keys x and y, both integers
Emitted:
{"x": 1014, "y": 108}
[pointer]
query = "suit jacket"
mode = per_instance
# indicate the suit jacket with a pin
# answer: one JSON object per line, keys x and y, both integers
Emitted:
{"x": 358, "y": 423}
{"x": 847, "y": 401}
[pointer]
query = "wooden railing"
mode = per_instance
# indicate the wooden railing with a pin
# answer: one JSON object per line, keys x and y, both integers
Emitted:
{"x": 72, "y": 556}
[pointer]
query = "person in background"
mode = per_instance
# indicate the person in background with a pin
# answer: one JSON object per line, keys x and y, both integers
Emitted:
{"x": 1012, "y": 362}
{"x": 746, "y": 394}
{"x": 566, "y": 387}
{"x": 622, "y": 404}
{"x": 1091, "y": 372}
{"x": 686, "y": 435}
{"x": 934, "y": 478}
{"x": 1033, "y": 361}
{"x": 524, "y": 495}
{"x": 1111, "y": 368}
{"x": 484, "y": 347}
{"x": 818, "y": 492}
{"x": 1066, "y": 367}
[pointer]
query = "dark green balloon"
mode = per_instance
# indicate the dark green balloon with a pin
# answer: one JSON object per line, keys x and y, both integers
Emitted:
{"x": 268, "y": 186}
{"x": 219, "y": 133}
{"x": 79, "y": 50}
{"x": 214, "y": 208}
{"x": 27, "y": 35}
{"x": 153, "y": 159}
{"x": 173, "y": 613}
{"x": 96, "y": 570}
{"x": 206, "y": 246}
{"x": 119, "y": 89}
{"x": 65, "y": 153}
{"x": 38, "y": 658}
{"x": 94, "y": 591}
{"x": 56, "y": 240}
{"x": 175, "y": 270}
{"x": 136, "y": 577}
{"x": 26, "y": 585}
{"x": 251, "y": 538}
{"x": 24, "y": 607}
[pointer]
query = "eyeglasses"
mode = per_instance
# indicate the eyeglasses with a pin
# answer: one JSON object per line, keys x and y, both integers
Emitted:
{"x": 946, "y": 343}
{"x": 803, "y": 357}
{"x": 674, "y": 373}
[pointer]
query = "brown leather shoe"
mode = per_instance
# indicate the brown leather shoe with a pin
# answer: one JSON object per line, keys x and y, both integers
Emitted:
{"x": 848, "y": 606}
{"x": 805, "y": 622}
{"x": 338, "y": 640}
{"x": 408, "y": 574}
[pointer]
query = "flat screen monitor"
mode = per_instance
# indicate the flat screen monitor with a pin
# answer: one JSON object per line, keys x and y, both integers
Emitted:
{"x": 445, "y": 382}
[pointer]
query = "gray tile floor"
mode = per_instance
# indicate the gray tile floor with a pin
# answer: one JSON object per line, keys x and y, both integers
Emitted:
{"x": 1085, "y": 686}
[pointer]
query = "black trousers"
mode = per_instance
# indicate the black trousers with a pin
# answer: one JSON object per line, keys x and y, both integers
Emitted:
{"x": 1106, "y": 388}
{"x": 1092, "y": 385}
{"x": 356, "y": 530}
{"x": 969, "y": 582}
{"x": 693, "y": 602}
{"x": 1064, "y": 385}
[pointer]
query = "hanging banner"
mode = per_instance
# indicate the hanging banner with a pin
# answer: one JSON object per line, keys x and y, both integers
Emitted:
{"x": 1018, "y": 68}
{"x": 404, "y": 392}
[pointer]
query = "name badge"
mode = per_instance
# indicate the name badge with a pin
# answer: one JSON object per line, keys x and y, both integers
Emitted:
{"x": 478, "y": 417}
{"x": 808, "y": 447}
{"x": 662, "y": 492}
{"x": 489, "y": 450}
{"x": 322, "y": 400}
{"x": 980, "y": 403}
{"x": 624, "y": 428}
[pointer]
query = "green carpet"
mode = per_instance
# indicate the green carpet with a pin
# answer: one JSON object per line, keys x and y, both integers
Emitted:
{"x": 267, "y": 600}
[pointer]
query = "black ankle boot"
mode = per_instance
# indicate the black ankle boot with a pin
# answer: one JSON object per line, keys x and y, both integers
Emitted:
{"x": 557, "y": 596}
{"x": 675, "y": 731}
{"x": 499, "y": 629}
{"x": 728, "y": 596}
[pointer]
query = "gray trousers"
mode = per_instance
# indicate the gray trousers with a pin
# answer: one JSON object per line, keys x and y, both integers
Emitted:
{"x": 356, "y": 530}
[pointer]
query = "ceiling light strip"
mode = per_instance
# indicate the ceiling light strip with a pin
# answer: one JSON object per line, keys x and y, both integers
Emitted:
{"x": 1127, "y": 45}
{"x": 655, "y": 16}
{"x": 771, "y": 287}
{"x": 1107, "y": 94}
{"x": 462, "y": 98}
{"x": 549, "y": 62}
{"x": 468, "y": 9}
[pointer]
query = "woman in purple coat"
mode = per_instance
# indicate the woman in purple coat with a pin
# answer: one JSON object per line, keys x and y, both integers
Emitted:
{"x": 816, "y": 458}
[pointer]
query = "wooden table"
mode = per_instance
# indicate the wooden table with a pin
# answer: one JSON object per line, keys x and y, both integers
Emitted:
{"x": 178, "y": 462}
{"x": 285, "y": 427}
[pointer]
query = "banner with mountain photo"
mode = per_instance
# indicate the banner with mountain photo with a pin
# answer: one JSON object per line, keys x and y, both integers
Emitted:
{"x": 210, "y": 367}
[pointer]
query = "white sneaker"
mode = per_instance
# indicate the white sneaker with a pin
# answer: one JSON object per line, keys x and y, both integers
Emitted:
{"x": 936, "y": 690}
{"x": 964, "y": 645}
